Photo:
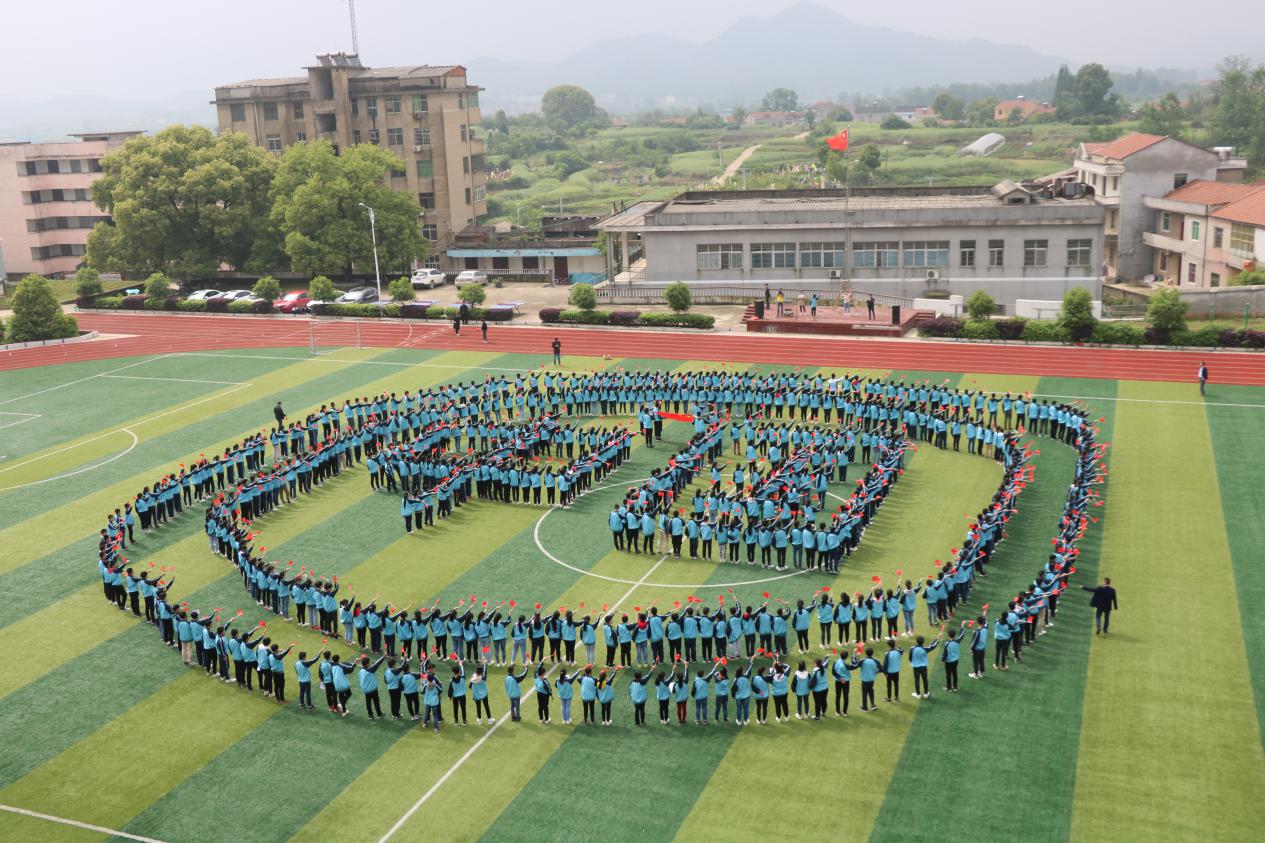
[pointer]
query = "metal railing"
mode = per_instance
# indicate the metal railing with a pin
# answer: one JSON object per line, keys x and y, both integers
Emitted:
{"x": 1123, "y": 311}
{"x": 745, "y": 294}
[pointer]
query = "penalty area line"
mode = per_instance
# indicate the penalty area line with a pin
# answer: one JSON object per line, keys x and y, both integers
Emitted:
{"x": 100, "y": 829}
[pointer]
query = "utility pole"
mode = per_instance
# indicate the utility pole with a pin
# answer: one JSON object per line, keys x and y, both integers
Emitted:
{"x": 355, "y": 39}
{"x": 373, "y": 234}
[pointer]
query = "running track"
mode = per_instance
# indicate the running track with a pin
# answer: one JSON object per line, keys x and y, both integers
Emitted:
{"x": 169, "y": 333}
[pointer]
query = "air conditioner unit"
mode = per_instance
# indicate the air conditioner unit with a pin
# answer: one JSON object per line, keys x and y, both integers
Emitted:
{"x": 836, "y": 274}
{"x": 418, "y": 115}
{"x": 933, "y": 275}
{"x": 417, "y": 147}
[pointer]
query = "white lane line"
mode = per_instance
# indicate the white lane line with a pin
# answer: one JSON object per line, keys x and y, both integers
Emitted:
{"x": 135, "y": 441}
{"x": 1148, "y": 400}
{"x": 174, "y": 380}
{"x": 81, "y": 380}
{"x": 326, "y": 359}
{"x": 425, "y": 797}
{"x": 100, "y": 829}
{"x": 28, "y": 417}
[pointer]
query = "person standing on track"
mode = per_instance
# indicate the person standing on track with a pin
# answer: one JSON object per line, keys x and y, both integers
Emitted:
{"x": 1203, "y": 376}
{"x": 557, "y": 351}
{"x": 483, "y": 329}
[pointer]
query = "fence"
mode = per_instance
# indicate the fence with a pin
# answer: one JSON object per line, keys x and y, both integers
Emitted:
{"x": 739, "y": 294}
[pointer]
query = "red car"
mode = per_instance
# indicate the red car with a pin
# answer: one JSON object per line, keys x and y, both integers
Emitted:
{"x": 296, "y": 302}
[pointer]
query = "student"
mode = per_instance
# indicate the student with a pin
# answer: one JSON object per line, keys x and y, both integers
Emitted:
{"x": 410, "y": 686}
{"x": 891, "y": 669}
{"x": 369, "y": 685}
{"x": 394, "y": 680}
{"x": 949, "y": 658}
{"x": 842, "y": 669}
{"x": 479, "y": 692}
{"x": 819, "y": 686}
{"x": 637, "y": 693}
{"x": 699, "y": 691}
{"x": 606, "y": 694}
{"x": 457, "y": 693}
{"x": 588, "y": 696}
{"x": 742, "y": 695}
{"x": 780, "y": 676}
{"x": 564, "y": 685}
{"x": 1001, "y": 638}
{"x": 801, "y": 684}
{"x": 513, "y": 691}
{"x": 869, "y": 667}
{"x": 342, "y": 687}
{"x": 432, "y": 693}
{"x": 918, "y": 661}
{"x": 303, "y": 673}
{"x": 979, "y": 647}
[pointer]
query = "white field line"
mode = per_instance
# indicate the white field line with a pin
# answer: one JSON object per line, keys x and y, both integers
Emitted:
{"x": 81, "y": 380}
{"x": 86, "y": 826}
{"x": 174, "y": 380}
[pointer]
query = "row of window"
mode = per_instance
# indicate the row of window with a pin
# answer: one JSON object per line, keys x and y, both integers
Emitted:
{"x": 35, "y": 197}
{"x": 879, "y": 255}
{"x": 60, "y": 223}
{"x": 59, "y": 165}
{"x": 58, "y": 250}
{"x": 427, "y": 199}
{"x": 1242, "y": 237}
{"x": 391, "y": 103}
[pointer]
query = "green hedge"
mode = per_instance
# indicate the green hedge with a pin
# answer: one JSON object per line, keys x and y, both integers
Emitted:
{"x": 1118, "y": 333}
{"x": 108, "y": 302}
{"x": 1209, "y": 335}
{"x": 677, "y": 320}
{"x": 191, "y": 306}
{"x": 551, "y": 316}
{"x": 980, "y": 329}
{"x": 1036, "y": 331}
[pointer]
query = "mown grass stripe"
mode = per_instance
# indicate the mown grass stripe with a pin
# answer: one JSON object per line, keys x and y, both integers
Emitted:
{"x": 1173, "y": 728}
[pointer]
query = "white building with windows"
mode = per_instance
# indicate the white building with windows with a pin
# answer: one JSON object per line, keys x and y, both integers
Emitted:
{"x": 1010, "y": 240}
{"x": 1206, "y": 232}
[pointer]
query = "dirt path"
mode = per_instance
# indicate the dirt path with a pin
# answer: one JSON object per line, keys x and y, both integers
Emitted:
{"x": 735, "y": 165}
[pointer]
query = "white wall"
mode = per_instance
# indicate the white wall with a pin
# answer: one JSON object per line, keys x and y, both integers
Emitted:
{"x": 1044, "y": 309}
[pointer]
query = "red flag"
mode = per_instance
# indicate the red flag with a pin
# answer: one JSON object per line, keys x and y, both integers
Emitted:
{"x": 838, "y": 142}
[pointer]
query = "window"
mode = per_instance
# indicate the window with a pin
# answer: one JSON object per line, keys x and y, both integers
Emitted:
{"x": 1215, "y": 279}
{"x": 427, "y": 201}
{"x": 425, "y": 169}
{"x": 1179, "y": 179}
{"x": 1034, "y": 252}
{"x": 1163, "y": 261}
{"x": 298, "y": 111}
{"x": 472, "y": 100}
{"x": 420, "y": 104}
{"x": 478, "y": 193}
{"x": 355, "y": 106}
{"x": 922, "y": 253}
{"x": 467, "y": 196}
{"x": 77, "y": 166}
{"x": 432, "y": 262}
{"x": 392, "y": 103}
{"x": 1194, "y": 229}
{"x": 53, "y": 166}
{"x": 719, "y": 255}
{"x": 273, "y": 142}
{"x": 1115, "y": 184}
{"x": 465, "y": 164}
{"x": 94, "y": 165}
{"x": 1111, "y": 218}
{"x": 1218, "y": 237}
{"x": 966, "y": 254}
{"x": 430, "y": 231}
{"x": 772, "y": 255}
{"x": 819, "y": 255}
{"x": 237, "y": 112}
{"x": 465, "y": 135}
{"x": 461, "y": 101}
{"x": 395, "y": 137}
{"x": 300, "y": 137}
{"x": 875, "y": 255}
{"x": 375, "y": 136}
{"x": 398, "y": 172}
{"x": 1166, "y": 220}
{"x": 270, "y": 111}
{"x": 371, "y": 106}
{"x": 421, "y": 137}
{"x": 1078, "y": 252}
{"x": 1190, "y": 273}
{"x": 996, "y": 253}
{"x": 531, "y": 262}
{"x": 1242, "y": 240}
{"x": 355, "y": 136}
{"x": 501, "y": 263}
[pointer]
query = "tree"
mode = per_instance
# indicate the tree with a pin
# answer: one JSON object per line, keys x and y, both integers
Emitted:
{"x": 780, "y": 99}
{"x": 499, "y": 123}
{"x": 569, "y": 106}
{"x": 1077, "y": 315}
{"x": 157, "y": 288}
{"x": 322, "y": 289}
{"x": 87, "y": 284}
{"x": 317, "y": 206}
{"x": 871, "y": 157}
{"x": 980, "y": 112}
{"x": 1239, "y": 117}
{"x": 473, "y": 294}
{"x": 1015, "y": 117}
{"x": 837, "y": 167}
{"x": 183, "y": 202}
{"x": 1166, "y": 312}
{"x": 37, "y": 315}
{"x": 981, "y": 305}
{"x": 738, "y": 115}
{"x": 267, "y": 288}
{"x": 893, "y": 122}
{"x": 810, "y": 117}
{"x": 677, "y": 295}
{"x": 840, "y": 114}
{"x": 949, "y": 107}
{"x": 1091, "y": 92}
{"x": 401, "y": 289}
{"x": 582, "y": 296}
{"x": 1064, "y": 94}
{"x": 1248, "y": 278}
{"x": 1162, "y": 118}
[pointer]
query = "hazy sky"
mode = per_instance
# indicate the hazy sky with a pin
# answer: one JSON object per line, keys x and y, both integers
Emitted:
{"x": 136, "y": 49}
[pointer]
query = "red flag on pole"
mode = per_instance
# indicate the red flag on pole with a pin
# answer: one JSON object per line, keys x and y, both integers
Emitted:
{"x": 838, "y": 142}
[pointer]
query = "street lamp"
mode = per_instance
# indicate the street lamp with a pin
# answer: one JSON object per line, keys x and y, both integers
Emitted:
{"x": 373, "y": 234}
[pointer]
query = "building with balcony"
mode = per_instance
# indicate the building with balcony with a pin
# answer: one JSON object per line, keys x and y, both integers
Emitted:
{"x": 1194, "y": 244}
{"x": 46, "y": 208}
{"x": 1011, "y": 240}
{"x": 564, "y": 251}
{"x": 426, "y": 115}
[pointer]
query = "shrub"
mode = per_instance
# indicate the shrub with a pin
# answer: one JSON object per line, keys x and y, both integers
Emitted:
{"x": 1118, "y": 333}
{"x": 240, "y": 306}
{"x": 37, "y": 314}
{"x": 168, "y": 303}
{"x": 473, "y": 294}
{"x": 582, "y": 296}
{"x": 677, "y": 295}
{"x": 981, "y": 305}
{"x": 624, "y": 317}
{"x": 1166, "y": 312}
{"x": 498, "y": 283}
{"x": 677, "y": 320}
{"x": 1011, "y": 329}
{"x": 584, "y": 317}
{"x": 108, "y": 302}
{"x": 133, "y": 302}
{"x": 942, "y": 326}
{"x": 1208, "y": 335}
{"x": 549, "y": 315}
{"x": 1038, "y": 331}
{"x": 322, "y": 289}
{"x": 158, "y": 287}
{"x": 261, "y": 306}
{"x": 980, "y": 329}
{"x": 413, "y": 311}
{"x": 1248, "y": 278}
{"x": 87, "y": 285}
{"x": 267, "y": 288}
{"x": 401, "y": 290}
{"x": 1077, "y": 315}
{"x": 1252, "y": 339}
{"x": 1154, "y": 336}
{"x": 217, "y": 305}
{"x": 187, "y": 305}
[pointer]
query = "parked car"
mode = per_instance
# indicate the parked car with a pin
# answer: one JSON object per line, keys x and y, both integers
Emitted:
{"x": 234, "y": 295}
{"x": 471, "y": 276}
{"x": 429, "y": 278}
{"x": 203, "y": 295}
{"x": 296, "y": 302}
{"x": 360, "y": 295}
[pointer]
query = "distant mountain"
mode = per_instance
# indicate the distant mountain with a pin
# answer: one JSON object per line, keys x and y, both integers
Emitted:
{"x": 54, "y": 119}
{"x": 806, "y": 47}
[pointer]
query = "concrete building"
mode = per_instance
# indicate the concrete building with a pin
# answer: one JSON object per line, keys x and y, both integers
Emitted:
{"x": 879, "y": 113}
{"x": 779, "y": 119}
{"x": 1010, "y": 240}
{"x": 564, "y": 251}
{"x": 1124, "y": 172}
{"x": 1026, "y": 108}
{"x": 46, "y": 208}
{"x": 425, "y": 115}
{"x": 1206, "y": 232}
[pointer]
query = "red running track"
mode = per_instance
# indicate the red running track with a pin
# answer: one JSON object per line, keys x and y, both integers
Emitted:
{"x": 171, "y": 333}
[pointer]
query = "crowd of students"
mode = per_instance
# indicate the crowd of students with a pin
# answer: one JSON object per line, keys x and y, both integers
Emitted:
{"x": 657, "y": 649}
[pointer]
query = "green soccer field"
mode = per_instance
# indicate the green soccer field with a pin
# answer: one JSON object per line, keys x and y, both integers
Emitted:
{"x": 1152, "y": 733}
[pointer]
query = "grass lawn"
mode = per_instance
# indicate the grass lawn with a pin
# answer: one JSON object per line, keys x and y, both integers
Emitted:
{"x": 1135, "y": 736}
{"x": 63, "y": 289}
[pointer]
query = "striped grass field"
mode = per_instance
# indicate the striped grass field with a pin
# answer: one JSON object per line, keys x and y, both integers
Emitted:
{"x": 1153, "y": 733}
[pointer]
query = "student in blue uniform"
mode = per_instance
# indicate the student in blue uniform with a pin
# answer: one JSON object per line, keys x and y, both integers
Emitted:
{"x": 564, "y": 686}
{"x": 979, "y": 647}
{"x": 606, "y": 694}
{"x": 891, "y": 669}
{"x": 869, "y": 668}
{"x": 369, "y": 685}
{"x": 479, "y": 692}
{"x": 950, "y": 656}
{"x": 918, "y": 661}
{"x": 513, "y": 691}
{"x": 303, "y": 673}
{"x": 543, "y": 694}
{"x": 432, "y": 695}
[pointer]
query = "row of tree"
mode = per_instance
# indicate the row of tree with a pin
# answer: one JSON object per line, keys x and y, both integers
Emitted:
{"x": 186, "y": 202}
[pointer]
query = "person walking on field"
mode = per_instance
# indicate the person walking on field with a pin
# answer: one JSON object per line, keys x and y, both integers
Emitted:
{"x": 557, "y": 351}
{"x": 1203, "y": 377}
{"x": 1104, "y": 603}
{"x": 281, "y": 414}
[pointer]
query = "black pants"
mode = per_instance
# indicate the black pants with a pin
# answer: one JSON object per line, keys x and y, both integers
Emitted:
{"x": 394, "y": 694}
{"x": 978, "y": 657}
{"x": 459, "y": 708}
{"x": 305, "y": 695}
{"x": 920, "y": 680}
{"x": 589, "y": 716}
{"x": 279, "y": 686}
{"x": 542, "y": 707}
{"x": 761, "y": 709}
{"x": 639, "y": 714}
{"x": 841, "y": 696}
{"x": 373, "y": 705}
{"x": 867, "y": 696}
{"x": 951, "y": 676}
{"x": 893, "y": 686}
{"x": 412, "y": 704}
{"x": 1102, "y": 617}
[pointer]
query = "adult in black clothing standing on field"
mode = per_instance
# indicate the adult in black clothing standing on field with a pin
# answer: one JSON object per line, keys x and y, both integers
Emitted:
{"x": 1104, "y": 603}
{"x": 279, "y": 413}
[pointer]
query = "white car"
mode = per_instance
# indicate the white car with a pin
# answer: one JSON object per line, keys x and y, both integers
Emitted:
{"x": 429, "y": 278}
{"x": 471, "y": 276}
{"x": 203, "y": 295}
{"x": 234, "y": 295}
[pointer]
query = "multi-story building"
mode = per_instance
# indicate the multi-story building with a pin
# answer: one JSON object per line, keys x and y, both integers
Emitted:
{"x": 1124, "y": 172}
{"x": 879, "y": 113}
{"x": 1009, "y": 240}
{"x": 426, "y": 115}
{"x": 1025, "y": 108}
{"x": 46, "y": 208}
{"x": 565, "y": 250}
{"x": 1206, "y": 232}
